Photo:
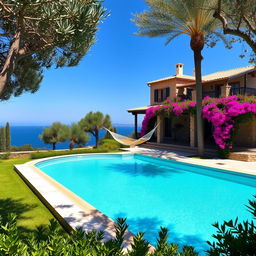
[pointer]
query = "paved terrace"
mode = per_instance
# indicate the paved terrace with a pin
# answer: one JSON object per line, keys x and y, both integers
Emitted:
{"x": 226, "y": 164}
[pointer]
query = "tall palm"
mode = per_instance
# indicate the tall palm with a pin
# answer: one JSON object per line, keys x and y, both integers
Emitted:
{"x": 171, "y": 18}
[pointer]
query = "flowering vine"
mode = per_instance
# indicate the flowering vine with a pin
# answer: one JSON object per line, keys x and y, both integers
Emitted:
{"x": 222, "y": 113}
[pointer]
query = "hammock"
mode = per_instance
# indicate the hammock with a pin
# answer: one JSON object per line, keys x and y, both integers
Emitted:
{"x": 129, "y": 141}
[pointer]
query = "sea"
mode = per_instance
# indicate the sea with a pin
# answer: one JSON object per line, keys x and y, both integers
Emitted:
{"x": 21, "y": 135}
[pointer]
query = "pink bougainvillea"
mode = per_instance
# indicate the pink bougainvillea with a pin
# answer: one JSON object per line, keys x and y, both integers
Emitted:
{"x": 220, "y": 112}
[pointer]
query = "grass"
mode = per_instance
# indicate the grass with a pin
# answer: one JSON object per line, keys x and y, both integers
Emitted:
{"x": 201, "y": 157}
{"x": 16, "y": 197}
{"x": 38, "y": 155}
{"x": 106, "y": 146}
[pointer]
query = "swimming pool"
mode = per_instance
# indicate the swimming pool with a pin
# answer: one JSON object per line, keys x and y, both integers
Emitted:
{"x": 153, "y": 192}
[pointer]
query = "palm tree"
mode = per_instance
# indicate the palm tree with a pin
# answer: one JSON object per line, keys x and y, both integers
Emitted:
{"x": 171, "y": 18}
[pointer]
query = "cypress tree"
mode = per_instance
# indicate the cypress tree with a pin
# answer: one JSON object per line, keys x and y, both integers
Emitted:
{"x": 8, "y": 136}
{"x": 2, "y": 140}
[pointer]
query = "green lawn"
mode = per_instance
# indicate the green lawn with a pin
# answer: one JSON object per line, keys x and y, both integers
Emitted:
{"x": 17, "y": 198}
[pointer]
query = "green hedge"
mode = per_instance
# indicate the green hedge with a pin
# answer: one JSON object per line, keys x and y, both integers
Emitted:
{"x": 26, "y": 147}
{"x": 102, "y": 149}
{"x": 106, "y": 146}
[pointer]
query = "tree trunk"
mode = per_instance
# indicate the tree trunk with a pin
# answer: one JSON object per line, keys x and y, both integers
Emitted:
{"x": 71, "y": 144}
{"x": 10, "y": 62}
{"x": 197, "y": 44}
{"x": 53, "y": 146}
{"x": 97, "y": 138}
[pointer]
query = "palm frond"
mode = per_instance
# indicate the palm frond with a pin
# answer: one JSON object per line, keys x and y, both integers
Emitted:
{"x": 170, "y": 18}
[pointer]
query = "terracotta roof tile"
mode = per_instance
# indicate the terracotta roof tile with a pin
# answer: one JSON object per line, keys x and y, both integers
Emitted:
{"x": 231, "y": 73}
{"x": 224, "y": 75}
{"x": 172, "y": 77}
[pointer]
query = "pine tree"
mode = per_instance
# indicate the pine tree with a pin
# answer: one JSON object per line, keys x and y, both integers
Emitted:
{"x": 2, "y": 140}
{"x": 8, "y": 136}
{"x": 36, "y": 35}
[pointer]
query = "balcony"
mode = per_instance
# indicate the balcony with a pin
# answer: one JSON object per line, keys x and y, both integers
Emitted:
{"x": 243, "y": 91}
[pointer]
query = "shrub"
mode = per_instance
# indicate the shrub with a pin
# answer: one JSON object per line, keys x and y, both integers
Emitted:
{"x": 234, "y": 238}
{"x": 5, "y": 156}
{"x": 109, "y": 144}
{"x": 52, "y": 240}
{"x": 37, "y": 155}
{"x": 26, "y": 147}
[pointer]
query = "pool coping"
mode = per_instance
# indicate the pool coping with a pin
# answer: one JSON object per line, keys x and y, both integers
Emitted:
{"x": 216, "y": 163}
{"x": 71, "y": 210}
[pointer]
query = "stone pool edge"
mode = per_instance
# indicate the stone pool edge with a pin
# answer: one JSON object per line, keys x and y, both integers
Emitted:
{"x": 72, "y": 211}
{"x": 69, "y": 209}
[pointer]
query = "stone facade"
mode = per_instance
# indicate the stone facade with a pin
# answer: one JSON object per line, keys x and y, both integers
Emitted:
{"x": 246, "y": 134}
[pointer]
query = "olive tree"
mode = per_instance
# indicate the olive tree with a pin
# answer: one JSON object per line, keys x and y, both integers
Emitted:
{"x": 56, "y": 133}
{"x": 77, "y": 136}
{"x": 238, "y": 18}
{"x": 35, "y": 35}
{"x": 93, "y": 122}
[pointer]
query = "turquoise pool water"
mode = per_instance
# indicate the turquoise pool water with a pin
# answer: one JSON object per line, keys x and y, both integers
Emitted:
{"x": 152, "y": 192}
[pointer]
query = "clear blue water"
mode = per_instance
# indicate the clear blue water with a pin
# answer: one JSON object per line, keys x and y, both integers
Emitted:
{"x": 152, "y": 192}
{"x": 21, "y": 135}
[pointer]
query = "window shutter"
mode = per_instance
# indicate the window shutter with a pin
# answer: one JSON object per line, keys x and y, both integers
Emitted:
{"x": 161, "y": 95}
{"x": 156, "y": 95}
{"x": 167, "y": 92}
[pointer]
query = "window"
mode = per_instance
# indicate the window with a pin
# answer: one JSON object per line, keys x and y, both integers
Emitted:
{"x": 156, "y": 95}
{"x": 189, "y": 93}
{"x": 235, "y": 88}
{"x": 217, "y": 90}
{"x": 161, "y": 95}
{"x": 167, "y": 92}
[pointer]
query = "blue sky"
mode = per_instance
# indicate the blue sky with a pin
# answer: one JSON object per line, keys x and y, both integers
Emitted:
{"x": 112, "y": 77}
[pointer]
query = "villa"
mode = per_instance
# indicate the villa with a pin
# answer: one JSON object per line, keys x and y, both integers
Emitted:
{"x": 182, "y": 130}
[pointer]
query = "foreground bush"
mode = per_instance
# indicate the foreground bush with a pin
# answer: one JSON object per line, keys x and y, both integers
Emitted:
{"x": 234, "y": 238}
{"x": 52, "y": 240}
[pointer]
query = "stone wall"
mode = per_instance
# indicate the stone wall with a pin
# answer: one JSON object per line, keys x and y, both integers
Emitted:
{"x": 246, "y": 134}
{"x": 181, "y": 128}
